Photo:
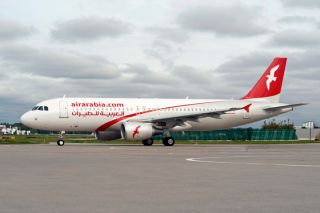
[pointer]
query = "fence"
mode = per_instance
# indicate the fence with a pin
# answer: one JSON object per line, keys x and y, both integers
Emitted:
{"x": 236, "y": 134}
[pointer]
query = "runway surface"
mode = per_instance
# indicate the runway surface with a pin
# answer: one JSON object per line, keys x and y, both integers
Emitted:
{"x": 183, "y": 178}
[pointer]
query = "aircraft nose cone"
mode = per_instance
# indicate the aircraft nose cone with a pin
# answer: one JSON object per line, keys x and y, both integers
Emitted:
{"x": 25, "y": 119}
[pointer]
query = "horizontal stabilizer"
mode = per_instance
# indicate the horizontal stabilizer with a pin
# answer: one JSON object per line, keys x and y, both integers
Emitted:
{"x": 284, "y": 107}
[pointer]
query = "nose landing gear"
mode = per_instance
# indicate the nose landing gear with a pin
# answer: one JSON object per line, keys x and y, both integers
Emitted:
{"x": 60, "y": 141}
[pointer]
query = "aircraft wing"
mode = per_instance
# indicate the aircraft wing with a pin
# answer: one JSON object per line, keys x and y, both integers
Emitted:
{"x": 195, "y": 116}
{"x": 276, "y": 108}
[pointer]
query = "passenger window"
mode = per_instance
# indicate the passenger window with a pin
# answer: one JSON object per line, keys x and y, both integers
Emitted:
{"x": 46, "y": 108}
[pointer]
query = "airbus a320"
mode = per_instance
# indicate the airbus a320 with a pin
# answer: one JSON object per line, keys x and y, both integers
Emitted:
{"x": 141, "y": 119}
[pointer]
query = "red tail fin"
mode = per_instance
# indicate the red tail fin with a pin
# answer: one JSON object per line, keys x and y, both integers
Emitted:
{"x": 269, "y": 85}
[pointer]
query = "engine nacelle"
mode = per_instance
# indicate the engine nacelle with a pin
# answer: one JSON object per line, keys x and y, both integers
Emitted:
{"x": 137, "y": 131}
{"x": 108, "y": 135}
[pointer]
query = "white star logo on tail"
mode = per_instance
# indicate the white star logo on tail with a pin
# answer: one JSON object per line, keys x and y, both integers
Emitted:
{"x": 271, "y": 76}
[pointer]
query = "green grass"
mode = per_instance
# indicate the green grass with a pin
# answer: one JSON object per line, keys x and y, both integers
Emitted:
{"x": 44, "y": 139}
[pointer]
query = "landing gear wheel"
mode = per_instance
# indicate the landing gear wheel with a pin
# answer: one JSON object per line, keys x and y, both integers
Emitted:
{"x": 168, "y": 141}
{"x": 60, "y": 142}
{"x": 148, "y": 142}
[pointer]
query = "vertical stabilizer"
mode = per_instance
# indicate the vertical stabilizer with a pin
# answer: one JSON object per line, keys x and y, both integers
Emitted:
{"x": 268, "y": 87}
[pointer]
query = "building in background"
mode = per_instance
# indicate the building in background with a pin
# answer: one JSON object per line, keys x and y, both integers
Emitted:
{"x": 5, "y": 130}
{"x": 307, "y": 131}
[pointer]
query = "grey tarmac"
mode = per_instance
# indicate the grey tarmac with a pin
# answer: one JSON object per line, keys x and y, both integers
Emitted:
{"x": 184, "y": 178}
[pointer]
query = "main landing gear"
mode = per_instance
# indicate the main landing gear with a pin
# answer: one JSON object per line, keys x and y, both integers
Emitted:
{"x": 167, "y": 141}
{"x": 148, "y": 142}
{"x": 60, "y": 141}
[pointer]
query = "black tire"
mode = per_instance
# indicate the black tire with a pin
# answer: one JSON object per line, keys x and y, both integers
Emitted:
{"x": 148, "y": 142}
{"x": 168, "y": 141}
{"x": 60, "y": 142}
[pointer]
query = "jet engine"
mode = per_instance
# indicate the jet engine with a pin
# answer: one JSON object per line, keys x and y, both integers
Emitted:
{"x": 108, "y": 135}
{"x": 138, "y": 131}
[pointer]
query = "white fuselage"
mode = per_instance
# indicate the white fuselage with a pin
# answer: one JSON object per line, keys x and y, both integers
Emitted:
{"x": 103, "y": 114}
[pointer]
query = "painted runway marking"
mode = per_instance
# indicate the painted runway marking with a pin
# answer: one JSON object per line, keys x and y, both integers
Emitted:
{"x": 203, "y": 160}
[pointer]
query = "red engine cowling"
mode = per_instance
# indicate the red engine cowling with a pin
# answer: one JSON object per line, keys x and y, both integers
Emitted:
{"x": 137, "y": 131}
{"x": 108, "y": 135}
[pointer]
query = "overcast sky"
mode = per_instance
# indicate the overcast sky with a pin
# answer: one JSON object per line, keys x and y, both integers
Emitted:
{"x": 164, "y": 49}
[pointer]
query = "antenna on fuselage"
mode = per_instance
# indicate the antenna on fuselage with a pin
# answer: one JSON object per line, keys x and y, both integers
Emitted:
{"x": 64, "y": 96}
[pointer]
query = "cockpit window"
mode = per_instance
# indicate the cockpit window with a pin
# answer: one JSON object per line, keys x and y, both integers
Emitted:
{"x": 41, "y": 108}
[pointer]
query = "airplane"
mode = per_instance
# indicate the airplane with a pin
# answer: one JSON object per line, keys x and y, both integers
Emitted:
{"x": 141, "y": 119}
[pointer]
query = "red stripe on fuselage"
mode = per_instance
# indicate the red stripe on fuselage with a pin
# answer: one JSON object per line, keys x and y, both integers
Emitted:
{"x": 108, "y": 124}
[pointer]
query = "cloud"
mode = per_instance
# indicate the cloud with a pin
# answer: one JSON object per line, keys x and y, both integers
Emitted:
{"x": 305, "y": 65}
{"x": 47, "y": 62}
{"x": 245, "y": 64}
{"x": 193, "y": 75}
{"x": 141, "y": 74}
{"x": 164, "y": 51}
{"x": 12, "y": 108}
{"x": 168, "y": 44}
{"x": 297, "y": 19}
{"x": 302, "y": 3}
{"x": 89, "y": 29}
{"x": 176, "y": 35}
{"x": 295, "y": 39}
{"x": 236, "y": 20}
{"x": 10, "y": 30}
{"x": 243, "y": 72}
